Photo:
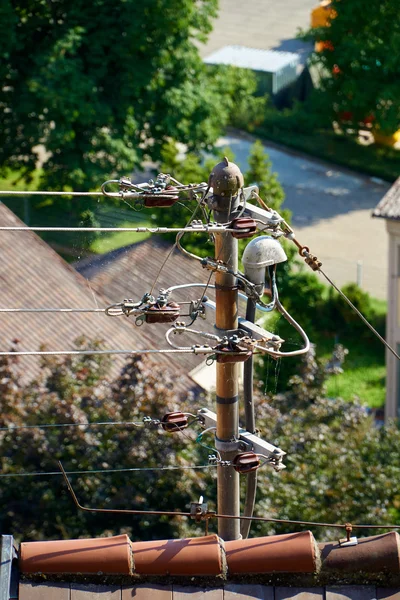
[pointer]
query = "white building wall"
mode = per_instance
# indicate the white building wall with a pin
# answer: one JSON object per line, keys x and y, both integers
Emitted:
{"x": 392, "y": 407}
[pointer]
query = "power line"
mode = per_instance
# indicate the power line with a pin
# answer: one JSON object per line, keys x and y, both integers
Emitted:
{"x": 206, "y": 516}
{"x": 52, "y": 310}
{"x": 99, "y": 424}
{"x": 187, "y": 229}
{"x": 95, "y": 471}
{"x": 193, "y": 350}
{"x": 360, "y": 315}
{"x": 50, "y": 193}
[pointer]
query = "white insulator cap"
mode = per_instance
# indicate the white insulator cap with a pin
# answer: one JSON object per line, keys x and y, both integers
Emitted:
{"x": 259, "y": 254}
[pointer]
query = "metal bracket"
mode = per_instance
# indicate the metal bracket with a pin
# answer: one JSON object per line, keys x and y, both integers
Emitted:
{"x": 250, "y": 328}
{"x": 270, "y": 217}
{"x": 198, "y": 509}
{"x": 226, "y": 446}
{"x": 352, "y": 541}
{"x": 251, "y": 441}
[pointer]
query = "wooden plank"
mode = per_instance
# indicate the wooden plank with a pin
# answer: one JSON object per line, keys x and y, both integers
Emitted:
{"x": 242, "y": 591}
{"x": 147, "y": 592}
{"x": 297, "y": 593}
{"x": 44, "y": 591}
{"x": 95, "y": 592}
{"x": 351, "y": 592}
{"x": 388, "y": 593}
{"x": 180, "y": 592}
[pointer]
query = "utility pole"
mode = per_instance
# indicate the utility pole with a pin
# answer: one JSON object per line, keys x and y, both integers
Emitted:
{"x": 227, "y": 180}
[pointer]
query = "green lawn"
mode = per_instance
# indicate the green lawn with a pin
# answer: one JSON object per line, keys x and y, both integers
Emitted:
{"x": 22, "y": 206}
{"x": 107, "y": 242}
{"x": 364, "y": 381}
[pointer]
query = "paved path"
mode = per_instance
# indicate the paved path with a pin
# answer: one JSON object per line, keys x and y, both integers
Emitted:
{"x": 331, "y": 213}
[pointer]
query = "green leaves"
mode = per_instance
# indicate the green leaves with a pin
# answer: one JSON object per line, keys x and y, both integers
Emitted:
{"x": 360, "y": 78}
{"x": 103, "y": 86}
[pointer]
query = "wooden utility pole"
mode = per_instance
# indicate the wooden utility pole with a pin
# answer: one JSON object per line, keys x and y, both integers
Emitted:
{"x": 227, "y": 181}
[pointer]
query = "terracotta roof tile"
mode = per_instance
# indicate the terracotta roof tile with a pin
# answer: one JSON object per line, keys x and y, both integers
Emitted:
{"x": 33, "y": 275}
{"x": 129, "y": 272}
{"x": 294, "y": 553}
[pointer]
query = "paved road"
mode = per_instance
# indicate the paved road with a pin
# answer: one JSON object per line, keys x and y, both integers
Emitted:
{"x": 265, "y": 24}
{"x": 331, "y": 213}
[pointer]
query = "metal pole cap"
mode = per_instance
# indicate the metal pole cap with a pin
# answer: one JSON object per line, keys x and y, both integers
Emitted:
{"x": 226, "y": 178}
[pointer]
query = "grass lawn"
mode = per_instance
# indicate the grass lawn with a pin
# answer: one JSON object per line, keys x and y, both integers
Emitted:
{"x": 21, "y": 205}
{"x": 107, "y": 242}
{"x": 364, "y": 367}
{"x": 363, "y": 380}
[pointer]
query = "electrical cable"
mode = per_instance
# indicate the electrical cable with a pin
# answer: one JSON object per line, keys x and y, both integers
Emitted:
{"x": 209, "y": 515}
{"x": 359, "y": 314}
{"x": 172, "y": 249}
{"x": 97, "y": 471}
{"x": 193, "y": 350}
{"x": 89, "y": 424}
{"x": 186, "y": 229}
{"x": 49, "y": 193}
{"x": 52, "y": 310}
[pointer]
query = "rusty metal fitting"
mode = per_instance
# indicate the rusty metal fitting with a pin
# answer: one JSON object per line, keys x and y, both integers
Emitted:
{"x": 198, "y": 510}
{"x": 226, "y": 179}
{"x": 312, "y": 261}
{"x": 233, "y": 356}
{"x": 213, "y": 265}
{"x": 246, "y": 462}
{"x": 349, "y": 530}
{"x": 244, "y": 227}
{"x": 174, "y": 421}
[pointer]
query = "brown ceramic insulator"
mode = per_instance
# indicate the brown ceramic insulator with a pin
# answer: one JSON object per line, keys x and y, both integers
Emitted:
{"x": 101, "y": 555}
{"x": 244, "y": 228}
{"x": 164, "y": 314}
{"x": 246, "y": 462}
{"x": 376, "y": 554}
{"x": 289, "y": 553}
{"x": 174, "y": 421}
{"x": 159, "y": 200}
{"x": 191, "y": 556}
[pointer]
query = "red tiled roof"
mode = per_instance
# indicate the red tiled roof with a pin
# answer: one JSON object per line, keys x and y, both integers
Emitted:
{"x": 129, "y": 272}
{"x": 33, "y": 275}
{"x": 210, "y": 555}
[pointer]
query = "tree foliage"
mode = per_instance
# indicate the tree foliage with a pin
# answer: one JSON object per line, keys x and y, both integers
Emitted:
{"x": 260, "y": 172}
{"x": 104, "y": 85}
{"x": 78, "y": 390}
{"x": 360, "y": 63}
{"x": 339, "y": 466}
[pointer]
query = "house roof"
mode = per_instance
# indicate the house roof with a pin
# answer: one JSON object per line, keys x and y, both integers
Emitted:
{"x": 34, "y": 275}
{"x": 389, "y": 206}
{"x": 269, "y": 61}
{"x": 289, "y": 566}
{"x": 130, "y": 272}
